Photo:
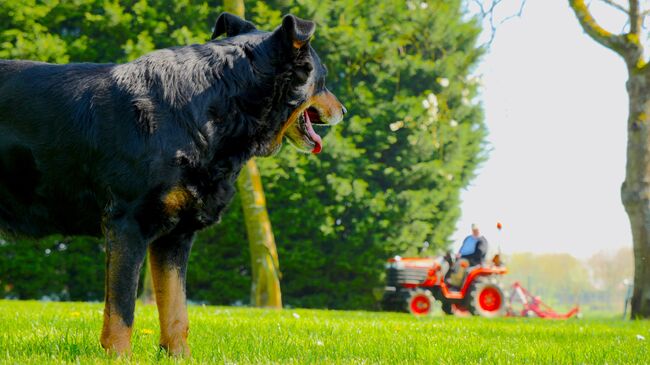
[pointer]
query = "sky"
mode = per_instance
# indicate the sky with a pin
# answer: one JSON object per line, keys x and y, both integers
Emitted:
{"x": 556, "y": 109}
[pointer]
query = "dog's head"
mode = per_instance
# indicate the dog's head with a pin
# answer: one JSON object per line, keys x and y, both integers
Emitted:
{"x": 299, "y": 97}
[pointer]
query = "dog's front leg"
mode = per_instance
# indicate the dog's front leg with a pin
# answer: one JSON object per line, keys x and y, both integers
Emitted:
{"x": 125, "y": 252}
{"x": 168, "y": 257}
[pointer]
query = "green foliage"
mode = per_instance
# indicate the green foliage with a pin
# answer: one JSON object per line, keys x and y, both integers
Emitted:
{"x": 219, "y": 269}
{"x": 557, "y": 278}
{"x": 56, "y": 268}
{"x": 563, "y": 281}
{"x": 389, "y": 177}
{"x": 100, "y": 30}
{"x": 66, "y": 333}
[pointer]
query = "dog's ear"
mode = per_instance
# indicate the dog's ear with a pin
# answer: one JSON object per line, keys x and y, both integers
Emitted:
{"x": 298, "y": 31}
{"x": 231, "y": 25}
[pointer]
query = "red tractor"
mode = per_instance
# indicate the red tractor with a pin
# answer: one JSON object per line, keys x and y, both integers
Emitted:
{"x": 414, "y": 284}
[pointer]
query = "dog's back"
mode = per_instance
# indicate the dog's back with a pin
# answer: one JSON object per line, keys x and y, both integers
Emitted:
{"x": 43, "y": 109}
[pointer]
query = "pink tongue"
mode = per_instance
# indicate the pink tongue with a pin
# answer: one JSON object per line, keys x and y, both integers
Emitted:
{"x": 312, "y": 134}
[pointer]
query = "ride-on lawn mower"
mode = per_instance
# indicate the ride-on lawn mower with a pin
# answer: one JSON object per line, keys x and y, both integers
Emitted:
{"x": 414, "y": 284}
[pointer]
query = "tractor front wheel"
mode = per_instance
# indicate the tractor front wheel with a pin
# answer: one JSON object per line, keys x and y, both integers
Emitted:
{"x": 420, "y": 302}
{"x": 486, "y": 298}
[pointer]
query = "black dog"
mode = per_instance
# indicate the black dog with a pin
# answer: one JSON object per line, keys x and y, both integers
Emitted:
{"x": 147, "y": 152}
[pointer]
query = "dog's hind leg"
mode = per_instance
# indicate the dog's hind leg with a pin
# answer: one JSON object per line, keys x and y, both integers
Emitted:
{"x": 168, "y": 258}
{"x": 125, "y": 252}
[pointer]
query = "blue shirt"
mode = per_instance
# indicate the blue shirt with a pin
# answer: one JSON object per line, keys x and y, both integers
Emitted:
{"x": 469, "y": 246}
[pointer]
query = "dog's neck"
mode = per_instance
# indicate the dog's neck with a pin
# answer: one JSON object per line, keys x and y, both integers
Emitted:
{"x": 212, "y": 90}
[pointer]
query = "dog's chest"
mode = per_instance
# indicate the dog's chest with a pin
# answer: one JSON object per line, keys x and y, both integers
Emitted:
{"x": 201, "y": 197}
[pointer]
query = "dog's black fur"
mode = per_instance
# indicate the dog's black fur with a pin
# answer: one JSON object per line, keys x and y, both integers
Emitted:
{"x": 148, "y": 151}
{"x": 78, "y": 139}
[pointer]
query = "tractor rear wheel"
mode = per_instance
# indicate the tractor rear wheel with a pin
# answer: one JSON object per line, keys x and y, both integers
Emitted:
{"x": 486, "y": 298}
{"x": 420, "y": 302}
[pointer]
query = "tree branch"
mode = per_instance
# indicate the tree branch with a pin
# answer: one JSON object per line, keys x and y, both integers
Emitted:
{"x": 616, "y": 42}
{"x": 635, "y": 19}
{"x": 486, "y": 10}
{"x": 616, "y": 5}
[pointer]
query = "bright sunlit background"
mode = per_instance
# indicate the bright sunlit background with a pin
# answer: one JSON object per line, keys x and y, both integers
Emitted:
{"x": 556, "y": 109}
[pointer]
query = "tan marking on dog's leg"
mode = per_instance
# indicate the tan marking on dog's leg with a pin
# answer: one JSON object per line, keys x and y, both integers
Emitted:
{"x": 172, "y": 310}
{"x": 116, "y": 336}
{"x": 124, "y": 256}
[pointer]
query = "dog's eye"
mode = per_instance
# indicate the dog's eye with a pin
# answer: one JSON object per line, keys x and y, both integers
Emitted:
{"x": 302, "y": 73}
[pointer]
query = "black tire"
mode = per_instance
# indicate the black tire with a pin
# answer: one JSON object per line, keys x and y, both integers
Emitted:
{"x": 421, "y": 303}
{"x": 394, "y": 301}
{"x": 486, "y": 299}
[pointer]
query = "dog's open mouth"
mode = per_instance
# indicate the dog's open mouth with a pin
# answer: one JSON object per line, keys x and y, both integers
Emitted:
{"x": 320, "y": 110}
{"x": 309, "y": 117}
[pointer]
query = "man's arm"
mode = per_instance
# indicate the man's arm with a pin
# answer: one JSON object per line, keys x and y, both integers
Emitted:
{"x": 482, "y": 247}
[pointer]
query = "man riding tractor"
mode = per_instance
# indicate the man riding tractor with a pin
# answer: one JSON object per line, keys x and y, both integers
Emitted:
{"x": 471, "y": 253}
{"x": 465, "y": 286}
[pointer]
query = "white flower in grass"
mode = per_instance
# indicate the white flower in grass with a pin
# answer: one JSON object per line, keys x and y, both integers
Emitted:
{"x": 453, "y": 123}
{"x": 443, "y": 81}
{"x": 425, "y": 104}
{"x": 296, "y": 315}
{"x": 424, "y": 5}
{"x": 640, "y": 337}
{"x": 319, "y": 343}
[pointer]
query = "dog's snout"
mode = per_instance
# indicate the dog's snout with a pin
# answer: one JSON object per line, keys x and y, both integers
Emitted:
{"x": 344, "y": 110}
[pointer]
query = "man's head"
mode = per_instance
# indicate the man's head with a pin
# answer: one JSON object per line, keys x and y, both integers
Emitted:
{"x": 300, "y": 98}
{"x": 475, "y": 230}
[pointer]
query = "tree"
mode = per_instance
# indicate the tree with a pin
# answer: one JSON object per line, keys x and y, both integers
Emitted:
{"x": 265, "y": 288}
{"x": 557, "y": 278}
{"x": 635, "y": 191}
{"x": 609, "y": 271}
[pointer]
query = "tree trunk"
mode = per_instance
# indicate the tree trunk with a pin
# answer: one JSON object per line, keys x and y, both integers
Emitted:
{"x": 265, "y": 290}
{"x": 635, "y": 191}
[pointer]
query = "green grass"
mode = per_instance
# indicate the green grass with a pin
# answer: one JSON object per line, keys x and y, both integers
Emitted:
{"x": 41, "y": 333}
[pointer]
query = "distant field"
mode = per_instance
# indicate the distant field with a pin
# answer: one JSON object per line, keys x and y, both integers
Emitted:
{"x": 41, "y": 333}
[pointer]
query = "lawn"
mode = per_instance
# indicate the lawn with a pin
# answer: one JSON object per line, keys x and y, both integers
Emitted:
{"x": 40, "y": 333}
